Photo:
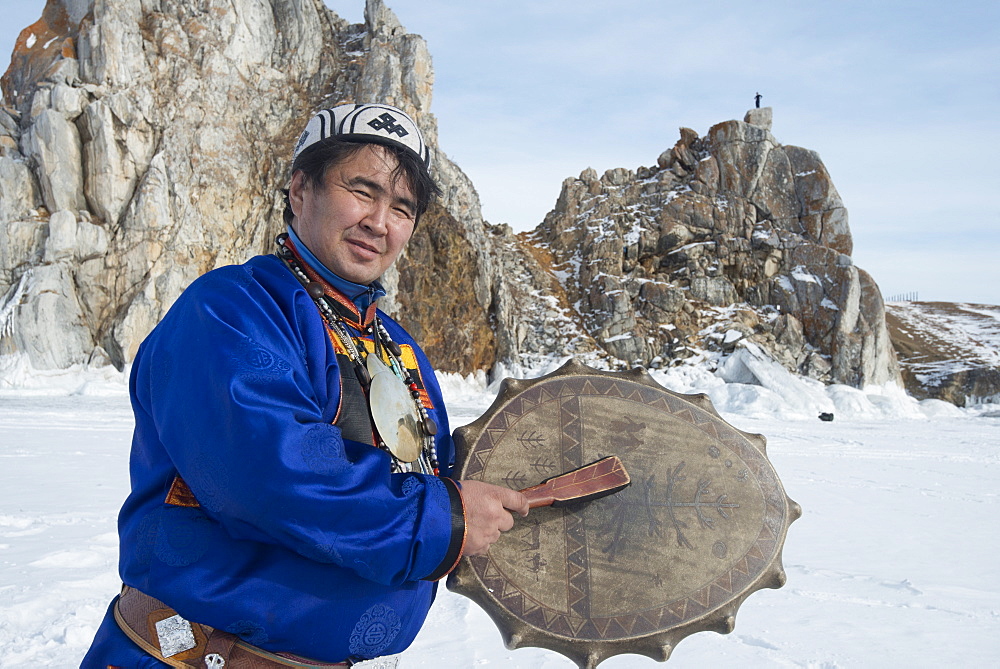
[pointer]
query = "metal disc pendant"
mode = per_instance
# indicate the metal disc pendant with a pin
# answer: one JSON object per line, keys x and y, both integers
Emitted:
{"x": 393, "y": 411}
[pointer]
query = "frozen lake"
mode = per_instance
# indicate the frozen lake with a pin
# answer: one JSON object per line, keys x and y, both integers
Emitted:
{"x": 893, "y": 563}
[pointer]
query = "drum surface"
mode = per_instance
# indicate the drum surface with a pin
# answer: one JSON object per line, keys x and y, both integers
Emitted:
{"x": 700, "y": 528}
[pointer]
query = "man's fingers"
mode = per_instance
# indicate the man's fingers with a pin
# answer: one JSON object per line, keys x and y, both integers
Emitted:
{"x": 516, "y": 502}
{"x": 488, "y": 510}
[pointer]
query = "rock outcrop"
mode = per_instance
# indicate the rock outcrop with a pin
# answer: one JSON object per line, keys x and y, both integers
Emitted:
{"x": 146, "y": 145}
{"x": 730, "y": 238}
{"x": 147, "y": 141}
{"x": 948, "y": 351}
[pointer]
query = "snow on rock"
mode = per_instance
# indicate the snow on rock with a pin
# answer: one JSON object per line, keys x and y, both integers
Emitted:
{"x": 732, "y": 220}
{"x": 18, "y": 378}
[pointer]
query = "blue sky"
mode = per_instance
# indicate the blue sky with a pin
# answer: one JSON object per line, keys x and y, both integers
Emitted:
{"x": 900, "y": 99}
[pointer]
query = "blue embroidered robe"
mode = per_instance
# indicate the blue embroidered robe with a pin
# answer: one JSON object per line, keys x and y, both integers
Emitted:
{"x": 301, "y": 540}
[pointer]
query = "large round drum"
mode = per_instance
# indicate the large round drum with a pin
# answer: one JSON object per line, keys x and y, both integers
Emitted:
{"x": 699, "y": 529}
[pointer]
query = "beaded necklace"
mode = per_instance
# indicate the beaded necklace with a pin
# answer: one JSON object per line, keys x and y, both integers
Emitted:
{"x": 401, "y": 424}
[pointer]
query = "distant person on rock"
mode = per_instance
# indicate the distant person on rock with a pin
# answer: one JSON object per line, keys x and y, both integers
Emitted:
{"x": 756, "y": 100}
{"x": 291, "y": 504}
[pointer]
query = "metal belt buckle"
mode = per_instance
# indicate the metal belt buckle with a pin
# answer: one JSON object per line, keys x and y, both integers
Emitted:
{"x": 174, "y": 635}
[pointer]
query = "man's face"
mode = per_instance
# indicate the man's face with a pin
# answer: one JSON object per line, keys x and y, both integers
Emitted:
{"x": 358, "y": 221}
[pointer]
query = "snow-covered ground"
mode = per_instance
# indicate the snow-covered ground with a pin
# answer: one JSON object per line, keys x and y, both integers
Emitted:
{"x": 893, "y": 563}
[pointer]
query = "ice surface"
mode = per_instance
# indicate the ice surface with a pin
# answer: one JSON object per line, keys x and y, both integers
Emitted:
{"x": 892, "y": 564}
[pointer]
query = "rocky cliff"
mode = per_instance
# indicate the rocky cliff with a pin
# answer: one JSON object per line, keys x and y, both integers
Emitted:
{"x": 732, "y": 242}
{"x": 146, "y": 145}
{"x": 147, "y": 141}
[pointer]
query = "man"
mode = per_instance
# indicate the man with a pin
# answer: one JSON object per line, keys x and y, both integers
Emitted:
{"x": 286, "y": 507}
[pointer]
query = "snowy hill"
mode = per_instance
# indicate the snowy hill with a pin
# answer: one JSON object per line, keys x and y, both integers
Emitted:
{"x": 948, "y": 351}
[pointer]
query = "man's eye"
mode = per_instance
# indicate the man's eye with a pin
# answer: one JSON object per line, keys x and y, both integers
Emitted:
{"x": 362, "y": 193}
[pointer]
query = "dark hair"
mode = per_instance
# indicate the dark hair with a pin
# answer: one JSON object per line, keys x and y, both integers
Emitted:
{"x": 331, "y": 151}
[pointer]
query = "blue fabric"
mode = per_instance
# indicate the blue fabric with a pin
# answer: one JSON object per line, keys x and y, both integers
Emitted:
{"x": 361, "y": 295}
{"x": 303, "y": 541}
{"x": 111, "y": 648}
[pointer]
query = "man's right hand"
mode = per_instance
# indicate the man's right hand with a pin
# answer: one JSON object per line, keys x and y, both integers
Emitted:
{"x": 488, "y": 512}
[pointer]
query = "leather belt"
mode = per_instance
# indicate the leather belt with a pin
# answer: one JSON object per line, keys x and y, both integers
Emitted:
{"x": 161, "y": 632}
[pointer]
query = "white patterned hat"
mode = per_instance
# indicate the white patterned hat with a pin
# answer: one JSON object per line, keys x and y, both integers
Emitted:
{"x": 382, "y": 124}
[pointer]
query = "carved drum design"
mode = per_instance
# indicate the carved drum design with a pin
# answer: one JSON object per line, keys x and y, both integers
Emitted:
{"x": 699, "y": 529}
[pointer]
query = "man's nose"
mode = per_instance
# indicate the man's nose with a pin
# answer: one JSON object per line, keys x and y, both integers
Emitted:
{"x": 377, "y": 218}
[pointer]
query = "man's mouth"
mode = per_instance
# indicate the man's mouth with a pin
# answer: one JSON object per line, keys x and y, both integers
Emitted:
{"x": 364, "y": 246}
